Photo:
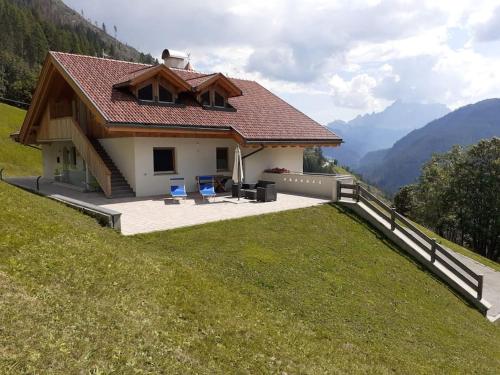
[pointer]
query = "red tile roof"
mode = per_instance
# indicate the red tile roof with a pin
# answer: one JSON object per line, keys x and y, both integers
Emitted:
{"x": 195, "y": 81}
{"x": 130, "y": 76}
{"x": 259, "y": 115}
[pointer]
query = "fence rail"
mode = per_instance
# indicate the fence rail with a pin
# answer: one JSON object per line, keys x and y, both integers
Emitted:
{"x": 429, "y": 245}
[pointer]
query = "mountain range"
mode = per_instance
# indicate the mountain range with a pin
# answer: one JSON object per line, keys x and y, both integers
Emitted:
{"x": 380, "y": 130}
{"x": 400, "y": 164}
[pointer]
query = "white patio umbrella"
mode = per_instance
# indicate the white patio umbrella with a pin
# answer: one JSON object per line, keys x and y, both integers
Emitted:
{"x": 238, "y": 169}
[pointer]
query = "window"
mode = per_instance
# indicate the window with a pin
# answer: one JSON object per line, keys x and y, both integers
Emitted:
{"x": 205, "y": 98}
{"x": 222, "y": 155}
{"x": 72, "y": 156}
{"x": 164, "y": 160}
{"x": 145, "y": 93}
{"x": 218, "y": 100}
{"x": 165, "y": 96}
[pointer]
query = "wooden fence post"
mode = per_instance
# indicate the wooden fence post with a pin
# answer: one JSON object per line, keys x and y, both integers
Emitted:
{"x": 433, "y": 250}
{"x": 357, "y": 191}
{"x": 393, "y": 218}
{"x": 339, "y": 190}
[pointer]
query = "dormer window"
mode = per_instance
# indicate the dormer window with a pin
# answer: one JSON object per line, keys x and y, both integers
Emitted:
{"x": 145, "y": 93}
{"x": 213, "y": 98}
{"x": 164, "y": 95}
{"x": 205, "y": 98}
{"x": 219, "y": 100}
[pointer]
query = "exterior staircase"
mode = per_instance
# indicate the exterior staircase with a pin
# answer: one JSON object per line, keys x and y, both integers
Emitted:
{"x": 119, "y": 186}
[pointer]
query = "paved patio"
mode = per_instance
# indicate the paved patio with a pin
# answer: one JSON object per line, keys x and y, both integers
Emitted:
{"x": 150, "y": 214}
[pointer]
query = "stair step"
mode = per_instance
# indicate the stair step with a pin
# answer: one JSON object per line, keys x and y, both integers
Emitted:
{"x": 122, "y": 185}
{"x": 119, "y": 186}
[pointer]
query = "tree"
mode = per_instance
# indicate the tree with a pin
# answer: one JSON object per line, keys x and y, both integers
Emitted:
{"x": 457, "y": 196}
{"x": 316, "y": 162}
{"x": 104, "y": 27}
{"x": 404, "y": 200}
{"x": 116, "y": 31}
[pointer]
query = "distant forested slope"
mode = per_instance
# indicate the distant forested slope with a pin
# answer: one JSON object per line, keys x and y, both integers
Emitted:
{"x": 380, "y": 130}
{"x": 401, "y": 164}
{"x": 30, "y": 28}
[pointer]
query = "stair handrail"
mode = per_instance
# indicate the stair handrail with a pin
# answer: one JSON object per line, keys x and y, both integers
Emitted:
{"x": 96, "y": 165}
{"x": 398, "y": 221}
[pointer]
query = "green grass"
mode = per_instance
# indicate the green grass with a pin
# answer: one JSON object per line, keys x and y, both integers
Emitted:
{"x": 304, "y": 291}
{"x": 460, "y": 249}
{"x": 17, "y": 160}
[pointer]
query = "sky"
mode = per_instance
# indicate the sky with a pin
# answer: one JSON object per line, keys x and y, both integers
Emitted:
{"x": 330, "y": 59}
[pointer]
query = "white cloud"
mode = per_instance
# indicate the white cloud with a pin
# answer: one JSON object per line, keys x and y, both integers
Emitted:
{"x": 358, "y": 55}
{"x": 355, "y": 93}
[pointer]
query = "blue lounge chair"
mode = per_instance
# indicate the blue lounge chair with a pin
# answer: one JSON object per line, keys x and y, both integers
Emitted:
{"x": 206, "y": 186}
{"x": 177, "y": 188}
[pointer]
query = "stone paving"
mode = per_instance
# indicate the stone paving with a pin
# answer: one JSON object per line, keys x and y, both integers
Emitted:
{"x": 149, "y": 214}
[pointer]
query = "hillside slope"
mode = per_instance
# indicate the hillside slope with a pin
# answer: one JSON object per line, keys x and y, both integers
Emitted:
{"x": 329, "y": 297}
{"x": 30, "y": 28}
{"x": 380, "y": 130}
{"x": 16, "y": 160}
{"x": 401, "y": 164}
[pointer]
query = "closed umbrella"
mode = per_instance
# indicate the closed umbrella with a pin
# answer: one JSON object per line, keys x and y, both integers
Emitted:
{"x": 238, "y": 169}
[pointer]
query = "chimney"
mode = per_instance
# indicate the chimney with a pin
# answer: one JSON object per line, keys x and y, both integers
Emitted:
{"x": 175, "y": 59}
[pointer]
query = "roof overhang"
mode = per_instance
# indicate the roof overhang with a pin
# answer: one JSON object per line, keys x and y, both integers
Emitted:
{"x": 202, "y": 130}
{"x": 51, "y": 67}
{"x": 221, "y": 80}
{"x": 311, "y": 142}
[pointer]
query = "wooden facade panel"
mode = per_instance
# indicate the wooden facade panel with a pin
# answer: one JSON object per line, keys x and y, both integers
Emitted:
{"x": 54, "y": 129}
{"x": 95, "y": 164}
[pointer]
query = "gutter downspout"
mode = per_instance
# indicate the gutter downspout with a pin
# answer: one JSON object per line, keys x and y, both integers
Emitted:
{"x": 250, "y": 154}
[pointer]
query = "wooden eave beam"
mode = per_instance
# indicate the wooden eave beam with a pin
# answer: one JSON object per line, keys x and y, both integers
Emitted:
{"x": 79, "y": 91}
{"x": 36, "y": 103}
{"x": 161, "y": 70}
{"x": 223, "y": 81}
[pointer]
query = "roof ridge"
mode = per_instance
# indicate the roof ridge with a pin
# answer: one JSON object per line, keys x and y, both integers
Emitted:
{"x": 150, "y": 65}
{"x": 102, "y": 58}
{"x": 202, "y": 75}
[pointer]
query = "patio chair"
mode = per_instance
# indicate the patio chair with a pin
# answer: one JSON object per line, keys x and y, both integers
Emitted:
{"x": 177, "y": 188}
{"x": 206, "y": 186}
{"x": 262, "y": 191}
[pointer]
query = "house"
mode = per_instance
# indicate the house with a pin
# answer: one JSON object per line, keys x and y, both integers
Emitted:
{"x": 127, "y": 128}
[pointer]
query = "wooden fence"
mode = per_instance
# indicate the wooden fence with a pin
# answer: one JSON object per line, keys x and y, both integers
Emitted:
{"x": 429, "y": 245}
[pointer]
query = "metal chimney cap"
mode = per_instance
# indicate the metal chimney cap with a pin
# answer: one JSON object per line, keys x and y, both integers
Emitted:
{"x": 175, "y": 54}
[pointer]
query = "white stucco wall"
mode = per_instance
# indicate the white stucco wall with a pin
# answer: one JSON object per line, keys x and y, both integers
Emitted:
{"x": 194, "y": 157}
{"x": 290, "y": 158}
{"x": 122, "y": 152}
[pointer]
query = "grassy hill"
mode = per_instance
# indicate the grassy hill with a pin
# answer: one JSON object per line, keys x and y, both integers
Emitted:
{"x": 304, "y": 291}
{"x": 16, "y": 159}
